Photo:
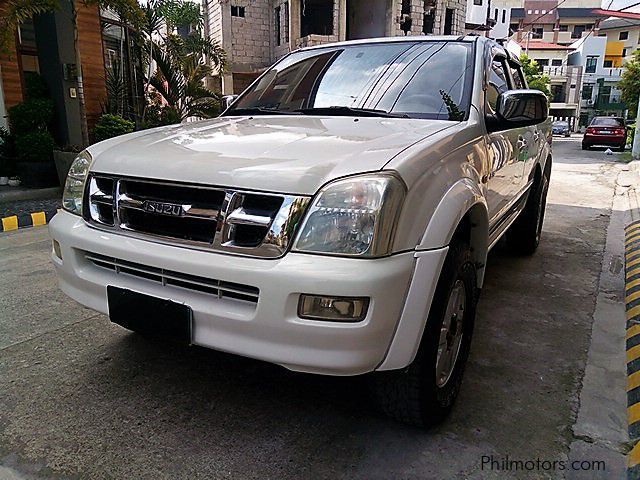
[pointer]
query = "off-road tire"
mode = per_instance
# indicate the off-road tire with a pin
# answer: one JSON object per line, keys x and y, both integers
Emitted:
{"x": 524, "y": 235}
{"x": 411, "y": 395}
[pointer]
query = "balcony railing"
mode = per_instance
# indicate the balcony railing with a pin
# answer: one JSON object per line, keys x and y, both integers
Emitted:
{"x": 613, "y": 72}
{"x": 560, "y": 71}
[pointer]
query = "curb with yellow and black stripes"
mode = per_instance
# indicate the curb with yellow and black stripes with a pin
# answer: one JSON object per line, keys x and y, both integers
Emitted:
{"x": 14, "y": 222}
{"x": 632, "y": 303}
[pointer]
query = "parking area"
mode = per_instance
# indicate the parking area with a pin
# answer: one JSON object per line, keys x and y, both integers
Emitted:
{"x": 82, "y": 398}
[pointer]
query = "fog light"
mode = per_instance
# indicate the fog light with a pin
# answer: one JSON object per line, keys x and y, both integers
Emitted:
{"x": 56, "y": 249}
{"x": 336, "y": 309}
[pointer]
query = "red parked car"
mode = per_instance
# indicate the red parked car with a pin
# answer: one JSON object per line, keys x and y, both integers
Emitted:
{"x": 607, "y": 132}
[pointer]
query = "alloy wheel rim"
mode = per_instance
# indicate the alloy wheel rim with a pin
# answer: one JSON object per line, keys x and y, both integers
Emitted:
{"x": 451, "y": 334}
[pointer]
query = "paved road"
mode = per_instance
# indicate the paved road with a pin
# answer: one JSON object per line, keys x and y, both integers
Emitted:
{"x": 81, "y": 398}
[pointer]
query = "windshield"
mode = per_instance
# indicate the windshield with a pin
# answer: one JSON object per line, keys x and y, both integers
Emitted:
{"x": 410, "y": 79}
{"x": 607, "y": 122}
{"x": 560, "y": 124}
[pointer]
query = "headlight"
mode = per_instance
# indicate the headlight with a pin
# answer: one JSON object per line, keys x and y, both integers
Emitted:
{"x": 354, "y": 216}
{"x": 74, "y": 186}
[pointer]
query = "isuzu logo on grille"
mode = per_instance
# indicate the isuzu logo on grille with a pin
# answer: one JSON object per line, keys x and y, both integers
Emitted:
{"x": 170, "y": 209}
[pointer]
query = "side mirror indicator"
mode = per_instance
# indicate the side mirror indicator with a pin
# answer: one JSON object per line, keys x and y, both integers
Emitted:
{"x": 229, "y": 99}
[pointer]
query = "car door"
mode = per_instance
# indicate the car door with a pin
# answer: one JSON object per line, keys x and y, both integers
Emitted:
{"x": 532, "y": 135}
{"x": 508, "y": 149}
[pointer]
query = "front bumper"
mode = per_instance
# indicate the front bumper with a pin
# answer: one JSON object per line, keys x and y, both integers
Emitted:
{"x": 268, "y": 330}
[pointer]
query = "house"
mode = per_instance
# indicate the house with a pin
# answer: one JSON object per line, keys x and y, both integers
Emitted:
{"x": 256, "y": 33}
{"x": 45, "y": 46}
{"x": 565, "y": 80}
{"x": 554, "y": 21}
{"x": 623, "y": 38}
{"x": 600, "y": 95}
{"x": 487, "y": 17}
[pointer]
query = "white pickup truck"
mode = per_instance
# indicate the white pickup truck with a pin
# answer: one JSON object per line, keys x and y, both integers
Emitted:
{"x": 335, "y": 219}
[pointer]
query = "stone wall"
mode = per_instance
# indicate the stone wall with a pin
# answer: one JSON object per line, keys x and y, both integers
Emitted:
{"x": 417, "y": 9}
{"x": 214, "y": 19}
{"x": 251, "y": 35}
{"x": 251, "y": 44}
{"x": 279, "y": 51}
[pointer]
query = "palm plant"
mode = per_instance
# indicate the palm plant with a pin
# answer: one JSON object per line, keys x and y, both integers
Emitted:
{"x": 116, "y": 90}
{"x": 179, "y": 65}
{"x": 179, "y": 79}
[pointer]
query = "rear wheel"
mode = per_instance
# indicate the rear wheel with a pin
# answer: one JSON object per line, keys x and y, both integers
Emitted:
{"x": 423, "y": 393}
{"x": 524, "y": 235}
{"x": 621, "y": 148}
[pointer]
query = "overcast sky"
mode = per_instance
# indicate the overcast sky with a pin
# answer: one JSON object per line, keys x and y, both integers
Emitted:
{"x": 618, "y": 4}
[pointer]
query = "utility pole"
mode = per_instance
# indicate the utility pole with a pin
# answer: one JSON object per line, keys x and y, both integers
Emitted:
{"x": 635, "y": 150}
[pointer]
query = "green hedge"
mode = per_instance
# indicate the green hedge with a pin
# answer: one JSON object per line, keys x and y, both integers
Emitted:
{"x": 35, "y": 147}
{"x": 109, "y": 126}
{"x": 30, "y": 115}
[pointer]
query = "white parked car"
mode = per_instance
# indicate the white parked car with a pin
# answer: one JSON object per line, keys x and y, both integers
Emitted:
{"x": 335, "y": 219}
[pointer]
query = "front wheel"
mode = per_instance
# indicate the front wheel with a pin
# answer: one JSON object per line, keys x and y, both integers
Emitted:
{"x": 585, "y": 147}
{"x": 423, "y": 393}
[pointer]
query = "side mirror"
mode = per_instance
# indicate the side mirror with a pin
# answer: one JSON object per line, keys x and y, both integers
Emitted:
{"x": 229, "y": 99}
{"x": 521, "y": 108}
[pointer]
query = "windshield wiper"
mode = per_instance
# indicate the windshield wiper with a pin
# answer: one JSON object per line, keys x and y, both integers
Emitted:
{"x": 258, "y": 111}
{"x": 350, "y": 111}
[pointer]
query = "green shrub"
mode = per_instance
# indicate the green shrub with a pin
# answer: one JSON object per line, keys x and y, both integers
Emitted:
{"x": 7, "y": 153}
{"x": 110, "y": 126}
{"x": 35, "y": 147}
{"x": 30, "y": 115}
{"x": 630, "y": 133}
{"x": 7, "y": 144}
{"x": 157, "y": 116}
{"x": 35, "y": 86}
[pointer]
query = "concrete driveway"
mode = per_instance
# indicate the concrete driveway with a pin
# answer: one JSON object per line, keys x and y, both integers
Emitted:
{"x": 82, "y": 398}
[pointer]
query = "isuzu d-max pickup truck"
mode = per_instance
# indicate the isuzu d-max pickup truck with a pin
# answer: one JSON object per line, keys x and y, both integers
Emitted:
{"x": 335, "y": 219}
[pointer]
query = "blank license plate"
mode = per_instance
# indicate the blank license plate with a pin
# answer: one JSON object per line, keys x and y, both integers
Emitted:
{"x": 149, "y": 315}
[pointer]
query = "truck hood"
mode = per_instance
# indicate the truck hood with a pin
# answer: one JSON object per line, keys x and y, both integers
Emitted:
{"x": 287, "y": 154}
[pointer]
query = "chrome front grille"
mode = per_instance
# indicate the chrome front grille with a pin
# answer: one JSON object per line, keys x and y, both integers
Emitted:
{"x": 218, "y": 288}
{"x": 227, "y": 220}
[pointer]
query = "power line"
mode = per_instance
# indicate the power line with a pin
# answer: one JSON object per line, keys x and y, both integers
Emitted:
{"x": 629, "y": 6}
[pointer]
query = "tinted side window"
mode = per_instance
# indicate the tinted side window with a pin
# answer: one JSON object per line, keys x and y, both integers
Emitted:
{"x": 497, "y": 84}
{"x": 608, "y": 122}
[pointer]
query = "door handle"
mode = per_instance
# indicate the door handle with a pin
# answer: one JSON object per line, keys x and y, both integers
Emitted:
{"x": 522, "y": 143}
{"x": 536, "y": 136}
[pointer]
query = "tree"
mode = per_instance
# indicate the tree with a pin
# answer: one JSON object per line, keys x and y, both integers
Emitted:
{"x": 181, "y": 65}
{"x": 536, "y": 79}
{"x": 15, "y": 12}
{"x": 630, "y": 83}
